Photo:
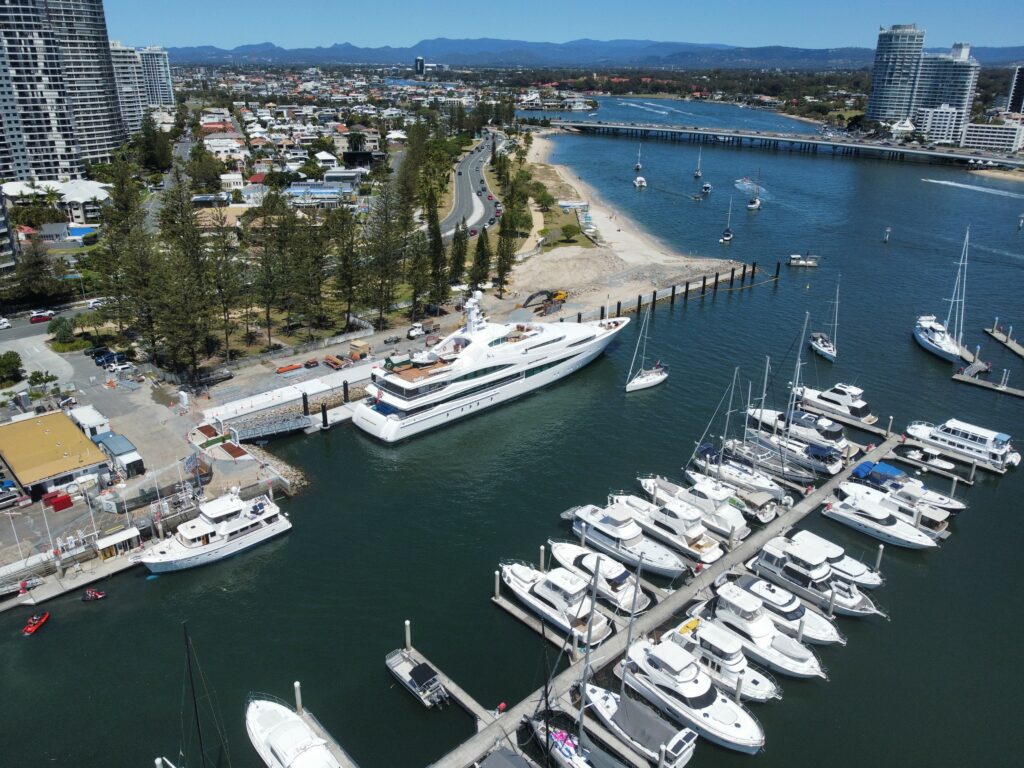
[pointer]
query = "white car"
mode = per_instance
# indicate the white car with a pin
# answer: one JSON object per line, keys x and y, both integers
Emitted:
{"x": 119, "y": 367}
{"x": 4, "y": 323}
{"x": 95, "y": 303}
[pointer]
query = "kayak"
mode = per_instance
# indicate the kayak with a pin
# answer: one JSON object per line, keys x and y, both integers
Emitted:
{"x": 35, "y": 622}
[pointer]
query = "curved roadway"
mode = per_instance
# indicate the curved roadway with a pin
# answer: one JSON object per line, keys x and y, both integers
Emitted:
{"x": 475, "y": 209}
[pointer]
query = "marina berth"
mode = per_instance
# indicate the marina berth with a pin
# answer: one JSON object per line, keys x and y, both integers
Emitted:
{"x": 641, "y": 727}
{"x": 842, "y": 564}
{"x": 741, "y": 615}
{"x": 787, "y": 611}
{"x": 817, "y": 458}
{"x": 682, "y": 528}
{"x": 879, "y": 524}
{"x": 419, "y": 678}
{"x": 760, "y": 506}
{"x": 283, "y": 739}
{"x": 929, "y": 520}
{"x": 560, "y": 598}
{"x": 720, "y": 654}
{"x": 737, "y": 472}
{"x": 768, "y": 461}
{"x": 225, "y": 527}
{"x": 563, "y": 747}
{"x": 843, "y": 399}
{"x": 806, "y": 427}
{"x": 805, "y": 572}
{"x": 477, "y": 367}
{"x": 671, "y": 679}
{"x": 613, "y": 530}
{"x": 900, "y": 485}
{"x": 721, "y": 510}
{"x": 615, "y": 584}
{"x": 970, "y": 443}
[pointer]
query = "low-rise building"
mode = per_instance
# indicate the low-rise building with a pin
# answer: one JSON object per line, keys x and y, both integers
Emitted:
{"x": 943, "y": 124}
{"x": 1006, "y": 138}
{"x": 46, "y": 451}
{"x": 231, "y": 181}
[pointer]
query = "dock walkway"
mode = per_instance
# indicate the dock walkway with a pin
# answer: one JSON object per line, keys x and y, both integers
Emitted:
{"x": 1003, "y": 338}
{"x": 990, "y": 385}
{"x": 474, "y": 748}
{"x": 483, "y": 717}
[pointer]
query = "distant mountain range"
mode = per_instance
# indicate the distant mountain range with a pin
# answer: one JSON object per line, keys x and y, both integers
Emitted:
{"x": 576, "y": 53}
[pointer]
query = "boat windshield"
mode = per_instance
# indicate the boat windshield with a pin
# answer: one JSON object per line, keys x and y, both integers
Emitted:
{"x": 618, "y": 581}
{"x": 860, "y": 411}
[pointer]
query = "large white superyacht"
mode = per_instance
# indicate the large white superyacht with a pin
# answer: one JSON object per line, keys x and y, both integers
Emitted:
{"x": 479, "y": 366}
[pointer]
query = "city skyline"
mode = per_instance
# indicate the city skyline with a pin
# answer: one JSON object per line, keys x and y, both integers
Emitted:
{"x": 192, "y": 23}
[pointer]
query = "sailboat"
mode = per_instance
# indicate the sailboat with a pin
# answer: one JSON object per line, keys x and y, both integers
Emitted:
{"x": 638, "y": 165}
{"x": 644, "y": 378}
{"x": 937, "y": 337}
{"x": 727, "y": 234}
{"x": 698, "y": 172}
{"x": 822, "y": 343}
{"x": 754, "y": 203}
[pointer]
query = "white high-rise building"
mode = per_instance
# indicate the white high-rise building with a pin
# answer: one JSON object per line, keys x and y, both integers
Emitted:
{"x": 156, "y": 73}
{"x": 131, "y": 90}
{"x": 894, "y": 76}
{"x": 947, "y": 79}
{"x": 942, "y": 124}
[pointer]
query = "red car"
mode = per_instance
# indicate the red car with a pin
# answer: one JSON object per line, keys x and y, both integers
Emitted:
{"x": 472, "y": 233}
{"x": 41, "y": 315}
{"x": 490, "y": 197}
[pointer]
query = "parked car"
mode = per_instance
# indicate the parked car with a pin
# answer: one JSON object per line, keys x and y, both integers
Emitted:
{"x": 215, "y": 377}
{"x": 392, "y": 340}
{"x": 4, "y": 323}
{"x": 311, "y": 363}
{"x": 472, "y": 233}
{"x": 120, "y": 367}
{"x": 490, "y": 197}
{"x": 112, "y": 358}
{"x": 41, "y": 315}
{"x": 480, "y": 193}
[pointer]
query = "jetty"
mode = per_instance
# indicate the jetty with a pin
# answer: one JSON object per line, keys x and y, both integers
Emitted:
{"x": 612, "y": 649}
{"x": 336, "y": 750}
{"x": 1005, "y": 338}
{"x": 1002, "y": 386}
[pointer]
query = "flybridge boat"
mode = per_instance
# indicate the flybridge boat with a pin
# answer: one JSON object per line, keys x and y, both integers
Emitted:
{"x": 681, "y": 528}
{"x": 737, "y": 472}
{"x": 787, "y": 611}
{"x": 479, "y": 366}
{"x": 558, "y": 597}
{"x": 968, "y": 443}
{"x": 672, "y": 680}
{"x": 817, "y": 458}
{"x": 879, "y": 524}
{"x": 900, "y": 485}
{"x": 759, "y": 505}
{"x": 613, "y": 530}
{"x": 843, "y": 399}
{"x": 720, "y": 510}
{"x": 805, "y": 572}
{"x": 807, "y": 427}
{"x": 709, "y": 495}
{"x": 929, "y": 520}
{"x": 615, "y": 584}
{"x": 283, "y": 738}
{"x": 641, "y": 727}
{"x": 741, "y": 615}
{"x": 721, "y": 656}
{"x": 842, "y": 564}
{"x": 226, "y": 526}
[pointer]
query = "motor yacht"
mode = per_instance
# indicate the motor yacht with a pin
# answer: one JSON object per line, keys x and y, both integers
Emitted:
{"x": 672, "y": 680}
{"x": 738, "y": 473}
{"x": 759, "y": 506}
{"x": 931, "y": 521}
{"x": 817, "y": 458}
{"x": 844, "y": 566}
{"x": 842, "y": 399}
{"x": 640, "y": 182}
{"x": 879, "y": 524}
{"x": 284, "y": 739}
{"x": 806, "y": 573}
{"x": 899, "y": 484}
{"x": 641, "y": 727}
{"x": 613, "y": 530}
{"x": 768, "y": 461}
{"x": 742, "y": 616}
{"x": 225, "y": 526}
{"x": 720, "y": 654}
{"x": 477, "y": 367}
{"x": 788, "y": 612}
{"x": 558, "y": 597}
{"x": 615, "y": 584}
{"x": 720, "y": 509}
{"x": 968, "y": 443}
{"x": 806, "y": 427}
{"x": 680, "y": 528}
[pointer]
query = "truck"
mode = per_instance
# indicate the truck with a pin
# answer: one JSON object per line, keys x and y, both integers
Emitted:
{"x": 423, "y": 329}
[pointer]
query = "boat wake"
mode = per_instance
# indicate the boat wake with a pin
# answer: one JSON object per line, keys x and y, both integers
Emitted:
{"x": 751, "y": 188}
{"x": 975, "y": 188}
{"x": 643, "y": 107}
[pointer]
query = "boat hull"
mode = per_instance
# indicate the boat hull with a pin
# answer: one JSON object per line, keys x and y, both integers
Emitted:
{"x": 598, "y": 542}
{"x": 647, "y": 379}
{"x": 923, "y": 340}
{"x": 209, "y": 555}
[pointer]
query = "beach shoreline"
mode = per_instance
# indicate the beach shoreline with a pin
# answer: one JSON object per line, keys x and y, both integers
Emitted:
{"x": 995, "y": 173}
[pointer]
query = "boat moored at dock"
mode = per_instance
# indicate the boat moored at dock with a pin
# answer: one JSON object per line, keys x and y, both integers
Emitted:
{"x": 283, "y": 738}
{"x": 641, "y": 727}
{"x": 680, "y": 528}
{"x": 932, "y": 522}
{"x": 418, "y": 677}
{"x": 787, "y": 611}
{"x": 844, "y": 566}
{"x": 899, "y": 484}
{"x": 613, "y": 530}
{"x": 843, "y": 399}
{"x": 615, "y": 584}
{"x": 986, "y": 447}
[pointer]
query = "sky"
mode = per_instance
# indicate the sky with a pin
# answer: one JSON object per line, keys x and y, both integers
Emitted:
{"x": 400, "y": 23}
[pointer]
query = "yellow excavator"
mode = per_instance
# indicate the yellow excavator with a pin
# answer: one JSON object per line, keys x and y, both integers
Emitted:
{"x": 552, "y": 301}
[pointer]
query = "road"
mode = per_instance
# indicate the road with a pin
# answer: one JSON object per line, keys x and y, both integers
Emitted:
{"x": 469, "y": 206}
{"x": 181, "y": 151}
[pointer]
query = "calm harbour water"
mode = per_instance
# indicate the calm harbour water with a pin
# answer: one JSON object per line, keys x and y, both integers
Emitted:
{"x": 416, "y": 531}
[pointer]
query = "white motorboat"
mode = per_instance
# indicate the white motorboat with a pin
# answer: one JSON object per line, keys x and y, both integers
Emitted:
{"x": 754, "y": 203}
{"x": 758, "y": 505}
{"x": 824, "y": 343}
{"x": 788, "y": 612}
{"x": 615, "y": 584}
{"x": 613, "y": 530}
{"x": 802, "y": 260}
{"x": 968, "y": 442}
{"x": 672, "y": 680}
{"x": 931, "y": 521}
{"x": 737, "y": 473}
{"x": 767, "y": 461}
{"x": 817, "y": 458}
{"x": 285, "y": 739}
{"x": 418, "y": 677}
{"x": 680, "y": 528}
{"x": 806, "y": 427}
{"x": 558, "y": 597}
{"x": 644, "y": 378}
{"x": 878, "y": 524}
{"x": 727, "y": 232}
{"x": 941, "y": 339}
{"x": 720, "y": 510}
{"x": 899, "y": 484}
{"x": 477, "y": 367}
{"x": 706, "y": 188}
{"x": 640, "y": 182}
{"x": 843, "y": 399}
{"x": 806, "y": 573}
{"x": 844, "y": 566}
{"x": 930, "y": 457}
{"x": 563, "y": 747}
{"x": 741, "y": 615}
{"x": 641, "y": 727}
{"x": 720, "y": 654}
{"x": 225, "y": 526}
{"x": 638, "y": 165}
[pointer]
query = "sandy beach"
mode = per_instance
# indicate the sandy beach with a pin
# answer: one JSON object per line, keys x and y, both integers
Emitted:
{"x": 625, "y": 262}
{"x": 999, "y": 174}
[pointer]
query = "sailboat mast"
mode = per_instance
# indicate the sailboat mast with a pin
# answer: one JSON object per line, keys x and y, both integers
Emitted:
{"x": 586, "y": 657}
{"x": 796, "y": 373}
{"x": 192, "y": 685}
{"x": 728, "y": 411}
{"x": 835, "y": 318}
{"x": 963, "y": 289}
{"x": 764, "y": 390}
{"x": 632, "y": 618}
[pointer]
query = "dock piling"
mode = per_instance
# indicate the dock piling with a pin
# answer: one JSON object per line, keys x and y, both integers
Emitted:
{"x": 878, "y": 557}
{"x": 732, "y": 276}
{"x": 344, "y": 391}
{"x": 743, "y": 275}
{"x": 832, "y": 603}
{"x": 583, "y": 534}
{"x": 739, "y": 686}
{"x": 408, "y": 635}
{"x": 540, "y": 561}
{"x": 686, "y": 291}
{"x": 777, "y": 265}
{"x": 974, "y": 467}
{"x": 888, "y": 429}
{"x": 715, "y": 289}
{"x": 952, "y": 487}
{"x": 602, "y": 311}
{"x": 654, "y": 297}
{"x": 298, "y": 697}
{"x": 917, "y": 517}
{"x": 661, "y": 756}
{"x": 305, "y": 404}
{"x": 497, "y": 584}
{"x": 672, "y": 297}
{"x": 800, "y": 630}
{"x": 753, "y": 270}
{"x": 323, "y": 415}
{"x": 579, "y": 317}
{"x": 704, "y": 285}
{"x": 639, "y": 303}
{"x": 618, "y": 308}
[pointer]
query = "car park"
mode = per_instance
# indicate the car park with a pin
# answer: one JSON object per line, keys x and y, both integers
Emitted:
{"x": 41, "y": 315}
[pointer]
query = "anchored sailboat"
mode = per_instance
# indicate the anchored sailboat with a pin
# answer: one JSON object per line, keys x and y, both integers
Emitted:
{"x": 698, "y": 172}
{"x": 822, "y": 343}
{"x": 638, "y": 166}
{"x": 644, "y": 378}
{"x": 727, "y": 234}
{"x": 938, "y": 338}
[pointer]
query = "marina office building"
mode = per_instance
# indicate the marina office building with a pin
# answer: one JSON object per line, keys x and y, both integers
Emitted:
{"x": 44, "y": 451}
